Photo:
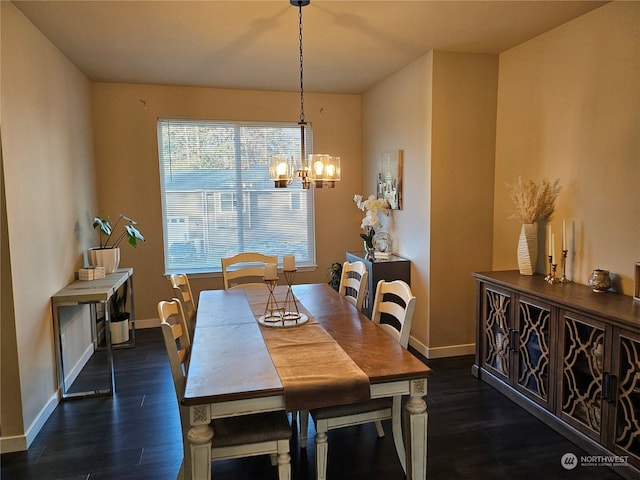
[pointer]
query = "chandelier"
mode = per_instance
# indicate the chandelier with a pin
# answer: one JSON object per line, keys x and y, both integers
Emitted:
{"x": 320, "y": 170}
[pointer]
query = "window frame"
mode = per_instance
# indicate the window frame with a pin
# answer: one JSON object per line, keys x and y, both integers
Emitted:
{"x": 214, "y": 268}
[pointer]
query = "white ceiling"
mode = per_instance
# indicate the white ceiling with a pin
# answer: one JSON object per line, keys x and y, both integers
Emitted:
{"x": 349, "y": 46}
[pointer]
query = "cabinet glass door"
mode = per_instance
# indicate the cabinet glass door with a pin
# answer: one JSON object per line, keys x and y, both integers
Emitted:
{"x": 496, "y": 331}
{"x": 533, "y": 350}
{"x": 627, "y": 433}
{"x": 583, "y": 356}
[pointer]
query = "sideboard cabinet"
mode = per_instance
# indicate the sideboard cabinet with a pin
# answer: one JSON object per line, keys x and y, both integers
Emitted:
{"x": 568, "y": 355}
{"x": 392, "y": 268}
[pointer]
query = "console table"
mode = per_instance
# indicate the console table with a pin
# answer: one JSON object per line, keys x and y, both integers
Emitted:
{"x": 93, "y": 293}
{"x": 392, "y": 268}
{"x": 568, "y": 355}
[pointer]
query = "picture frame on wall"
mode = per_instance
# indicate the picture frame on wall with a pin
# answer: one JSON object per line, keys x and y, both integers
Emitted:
{"x": 390, "y": 178}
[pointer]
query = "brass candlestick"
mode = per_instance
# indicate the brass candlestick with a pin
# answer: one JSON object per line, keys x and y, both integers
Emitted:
{"x": 548, "y": 276}
{"x": 552, "y": 277}
{"x": 272, "y": 312}
{"x": 290, "y": 310}
{"x": 563, "y": 278}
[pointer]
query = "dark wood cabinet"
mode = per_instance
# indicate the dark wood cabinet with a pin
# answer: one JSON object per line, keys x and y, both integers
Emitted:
{"x": 568, "y": 355}
{"x": 392, "y": 268}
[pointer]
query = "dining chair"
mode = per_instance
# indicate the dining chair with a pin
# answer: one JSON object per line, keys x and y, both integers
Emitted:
{"x": 244, "y": 269}
{"x": 182, "y": 289}
{"x": 234, "y": 437}
{"x": 393, "y": 309}
{"x": 353, "y": 282}
{"x": 353, "y": 286}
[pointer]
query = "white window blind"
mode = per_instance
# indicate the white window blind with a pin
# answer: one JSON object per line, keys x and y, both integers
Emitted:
{"x": 217, "y": 199}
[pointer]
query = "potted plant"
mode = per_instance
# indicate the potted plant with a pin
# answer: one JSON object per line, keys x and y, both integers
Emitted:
{"x": 119, "y": 320}
{"x": 107, "y": 255}
{"x": 335, "y": 272}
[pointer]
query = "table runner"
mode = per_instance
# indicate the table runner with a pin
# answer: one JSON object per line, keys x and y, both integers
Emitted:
{"x": 314, "y": 370}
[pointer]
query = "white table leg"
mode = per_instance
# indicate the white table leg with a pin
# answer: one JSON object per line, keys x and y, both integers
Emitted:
{"x": 416, "y": 428}
{"x": 200, "y": 436}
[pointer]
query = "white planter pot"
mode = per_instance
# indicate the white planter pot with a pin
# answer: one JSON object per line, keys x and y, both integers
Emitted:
{"x": 119, "y": 331}
{"x": 109, "y": 258}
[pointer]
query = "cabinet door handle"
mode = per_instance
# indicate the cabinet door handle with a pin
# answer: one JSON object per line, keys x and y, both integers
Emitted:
{"x": 513, "y": 339}
{"x": 613, "y": 388}
{"x": 605, "y": 386}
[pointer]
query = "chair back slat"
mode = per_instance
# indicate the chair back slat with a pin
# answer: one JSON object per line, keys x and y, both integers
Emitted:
{"x": 244, "y": 269}
{"x": 177, "y": 341}
{"x": 182, "y": 290}
{"x": 353, "y": 282}
{"x": 388, "y": 302}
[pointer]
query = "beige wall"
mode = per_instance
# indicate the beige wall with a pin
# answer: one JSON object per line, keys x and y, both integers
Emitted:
{"x": 462, "y": 160}
{"x": 441, "y": 112}
{"x": 125, "y": 118}
{"x": 569, "y": 109}
{"x": 396, "y": 115}
{"x": 49, "y": 187}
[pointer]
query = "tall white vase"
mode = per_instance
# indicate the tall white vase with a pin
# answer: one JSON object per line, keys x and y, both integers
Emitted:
{"x": 528, "y": 249}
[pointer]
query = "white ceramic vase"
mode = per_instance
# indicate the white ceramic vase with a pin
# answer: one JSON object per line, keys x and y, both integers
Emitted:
{"x": 109, "y": 258}
{"x": 528, "y": 248}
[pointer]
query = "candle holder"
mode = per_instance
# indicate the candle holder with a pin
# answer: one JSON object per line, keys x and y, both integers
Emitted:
{"x": 290, "y": 310}
{"x": 548, "y": 276}
{"x": 552, "y": 277}
{"x": 272, "y": 312}
{"x": 563, "y": 278}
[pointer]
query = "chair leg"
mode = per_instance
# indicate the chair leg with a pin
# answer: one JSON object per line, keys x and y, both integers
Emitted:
{"x": 304, "y": 427}
{"x": 396, "y": 423}
{"x": 321, "y": 455}
{"x": 379, "y": 428}
{"x": 284, "y": 460}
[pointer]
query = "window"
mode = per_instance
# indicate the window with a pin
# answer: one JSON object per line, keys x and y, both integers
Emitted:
{"x": 217, "y": 199}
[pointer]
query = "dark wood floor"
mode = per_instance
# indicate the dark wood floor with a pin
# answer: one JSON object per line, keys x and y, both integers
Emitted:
{"x": 474, "y": 433}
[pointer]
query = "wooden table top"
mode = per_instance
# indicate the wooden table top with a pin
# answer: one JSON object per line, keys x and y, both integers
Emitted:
{"x": 230, "y": 361}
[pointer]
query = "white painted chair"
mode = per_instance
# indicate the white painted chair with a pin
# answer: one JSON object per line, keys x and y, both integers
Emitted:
{"x": 386, "y": 307}
{"x": 234, "y": 437}
{"x": 353, "y": 282}
{"x": 182, "y": 289}
{"x": 245, "y": 270}
{"x": 353, "y": 287}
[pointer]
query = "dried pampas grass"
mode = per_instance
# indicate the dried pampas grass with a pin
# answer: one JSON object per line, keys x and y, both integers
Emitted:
{"x": 533, "y": 201}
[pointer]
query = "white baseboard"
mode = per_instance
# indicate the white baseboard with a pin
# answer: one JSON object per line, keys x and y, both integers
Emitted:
{"x": 147, "y": 323}
{"x": 20, "y": 443}
{"x": 442, "y": 352}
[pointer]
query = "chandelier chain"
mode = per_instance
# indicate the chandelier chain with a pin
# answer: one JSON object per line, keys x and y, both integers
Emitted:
{"x": 301, "y": 64}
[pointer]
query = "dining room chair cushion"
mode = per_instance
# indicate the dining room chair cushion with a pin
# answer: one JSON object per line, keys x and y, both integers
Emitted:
{"x": 256, "y": 428}
{"x": 351, "y": 409}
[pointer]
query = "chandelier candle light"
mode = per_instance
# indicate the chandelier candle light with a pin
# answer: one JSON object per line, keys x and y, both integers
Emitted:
{"x": 321, "y": 169}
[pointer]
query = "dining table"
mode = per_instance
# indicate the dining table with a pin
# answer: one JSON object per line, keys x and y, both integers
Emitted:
{"x": 242, "y": 365}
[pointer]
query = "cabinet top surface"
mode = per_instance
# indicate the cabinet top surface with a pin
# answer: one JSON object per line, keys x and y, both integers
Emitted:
{"x": 93, "y": 290}
{"x": 392, "y": 258}
{"x": 613, "y": 307}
